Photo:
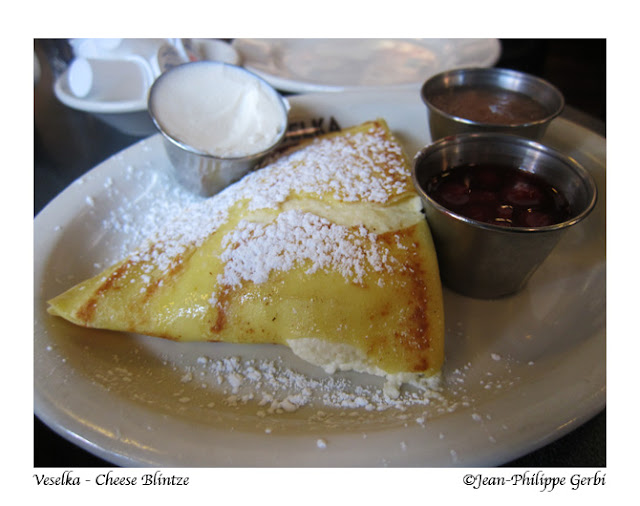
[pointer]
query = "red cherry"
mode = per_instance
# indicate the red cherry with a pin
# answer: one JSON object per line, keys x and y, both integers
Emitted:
{"x": 523, "y": 193}
{"x": 479, "y": 212}
{"x": 487, "y": 178}
{"x": 504, "y": 212}
{"x": 455, "y": 194}
{"x": 482, "y": 197}
{"x": 536, "y": 219}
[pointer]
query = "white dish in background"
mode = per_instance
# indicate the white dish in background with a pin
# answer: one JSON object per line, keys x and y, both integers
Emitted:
{"x": 322, "y": 65}
{"x": 519, "y": 372}
{"x": 115, "y": 99}
{"x": 129, "y": 116}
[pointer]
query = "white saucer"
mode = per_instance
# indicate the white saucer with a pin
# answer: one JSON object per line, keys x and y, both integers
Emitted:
{"x": 308, "y": 65}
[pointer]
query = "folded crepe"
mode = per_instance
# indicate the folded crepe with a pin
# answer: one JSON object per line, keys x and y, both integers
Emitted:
{"x": 325, "y": 250}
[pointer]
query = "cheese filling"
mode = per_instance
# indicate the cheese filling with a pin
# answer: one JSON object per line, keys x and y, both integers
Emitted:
{"x": 333, "y": 357}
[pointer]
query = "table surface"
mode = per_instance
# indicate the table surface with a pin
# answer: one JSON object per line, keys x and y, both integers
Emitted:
{"x": 68, "y": 143}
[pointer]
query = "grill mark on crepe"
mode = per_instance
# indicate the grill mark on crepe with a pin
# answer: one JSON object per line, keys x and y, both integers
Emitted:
{"x": 87, "y": 311}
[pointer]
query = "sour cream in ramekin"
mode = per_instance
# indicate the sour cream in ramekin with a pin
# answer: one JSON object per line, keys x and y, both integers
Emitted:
{"x": 218, "y": 121}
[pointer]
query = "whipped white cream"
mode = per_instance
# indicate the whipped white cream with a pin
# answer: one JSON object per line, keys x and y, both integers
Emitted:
{"x": 218, "y": 109}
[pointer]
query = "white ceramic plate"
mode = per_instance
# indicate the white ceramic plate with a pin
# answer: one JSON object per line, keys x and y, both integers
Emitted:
{"x": 519, "y": 372}
{"x": 308, "y": 65}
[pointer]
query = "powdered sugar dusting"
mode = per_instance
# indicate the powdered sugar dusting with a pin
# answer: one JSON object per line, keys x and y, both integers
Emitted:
{"x": 361, "y": 166}
{"x": 253, "y": 250}
{"x": 377, "y": 170}
{"x": 188, "y": 230}
{"x": 145, "y": 197}
{"x": 275, "y": 388}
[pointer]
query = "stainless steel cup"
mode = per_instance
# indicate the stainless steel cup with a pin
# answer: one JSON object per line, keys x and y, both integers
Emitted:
{"x": 489, "y": 261}
{"x": 204, "y": 173}
{"x": 442, "y": 124}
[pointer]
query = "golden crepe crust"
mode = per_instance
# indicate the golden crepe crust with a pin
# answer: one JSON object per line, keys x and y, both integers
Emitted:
{"x": 415, "y": 338}
{"x": 402, "y": 315}
{"x": 393, "y": 312}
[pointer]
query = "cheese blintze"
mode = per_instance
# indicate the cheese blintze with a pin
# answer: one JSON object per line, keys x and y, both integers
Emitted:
{"x": 325, "y": 250}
